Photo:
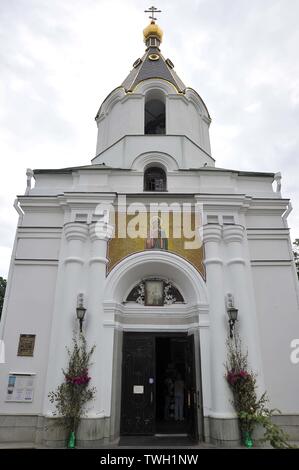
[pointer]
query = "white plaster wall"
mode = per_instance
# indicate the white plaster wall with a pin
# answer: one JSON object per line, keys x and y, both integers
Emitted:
{"x": 206, "y": 135}
{"x": 131, "y": 181}
{"x": 269, "y": 249}
{"x": 123, "y": 152}
{"x": 183, "y": 118}
{"x": 126, "y": 117}
{"x": 42, "y": 218}
{"x": 176, "y": 115}
{"x": 38, "y": 248}
{"x": 262, "y": 220}
{"x": 247, "y": 183}
{"x": 62, "y": 180}
{"x": 278, "y": 317}
{"x": 30, "y": 307}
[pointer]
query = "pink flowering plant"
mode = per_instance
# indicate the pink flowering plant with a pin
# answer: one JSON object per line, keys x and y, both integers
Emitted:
{"x": 250, "y": 409}
{"x": 71, "y": 397}
{"x": 242, "y": 382}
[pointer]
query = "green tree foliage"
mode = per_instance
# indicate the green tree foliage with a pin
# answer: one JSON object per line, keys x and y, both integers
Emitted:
{"x": 71, "y": 397}
{"x": 251, "y": 410}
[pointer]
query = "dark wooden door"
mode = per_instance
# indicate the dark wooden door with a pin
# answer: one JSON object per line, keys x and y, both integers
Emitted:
{"x": 191, "y": 388}
{"x": 138, "y": 384}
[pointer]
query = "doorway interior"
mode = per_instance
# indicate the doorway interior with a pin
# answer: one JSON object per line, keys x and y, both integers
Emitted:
{"x": 171, "y": 391}
{"x": 158, "y": 385}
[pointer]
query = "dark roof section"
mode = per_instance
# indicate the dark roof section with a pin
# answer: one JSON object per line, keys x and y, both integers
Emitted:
{"x": 152, "y": 69}
{"x": 228, "y": 170}
{"x": 99, "y": 166}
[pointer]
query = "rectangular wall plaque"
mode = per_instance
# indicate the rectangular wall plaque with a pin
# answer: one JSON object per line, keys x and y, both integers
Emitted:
{"x": 26, "y": 345}
{"x": 138, "y": 389}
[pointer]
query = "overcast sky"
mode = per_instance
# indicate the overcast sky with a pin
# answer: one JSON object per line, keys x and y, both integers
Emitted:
{"x": 60, "y": 58}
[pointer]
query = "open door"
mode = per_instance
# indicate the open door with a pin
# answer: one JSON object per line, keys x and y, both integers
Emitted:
{"x": 138, "y": 387}
{"x": 191, "y": 389}
{"x": 152, "y": 365}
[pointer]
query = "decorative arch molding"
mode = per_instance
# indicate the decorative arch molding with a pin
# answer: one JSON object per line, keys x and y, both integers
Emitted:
{"x": 115, "y": 96}
{"x": 194, "y": 98}
{"x": 155, "y": 84}
{"x": 147, "y": 159}
{"x": 133, "y": 269}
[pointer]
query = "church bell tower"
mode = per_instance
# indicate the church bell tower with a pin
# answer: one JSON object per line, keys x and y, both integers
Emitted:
{"x": 153, "y": 109}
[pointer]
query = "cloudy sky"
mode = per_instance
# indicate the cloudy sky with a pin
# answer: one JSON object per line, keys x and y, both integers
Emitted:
{"x": 60, "y": 58}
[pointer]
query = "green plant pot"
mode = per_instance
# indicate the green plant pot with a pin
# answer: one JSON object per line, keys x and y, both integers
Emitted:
{"x": 247, "y": 439}
{"x": 72, "y": 441}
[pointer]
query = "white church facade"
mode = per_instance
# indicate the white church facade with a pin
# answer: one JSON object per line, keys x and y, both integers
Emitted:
{"x": 156, "y": 305}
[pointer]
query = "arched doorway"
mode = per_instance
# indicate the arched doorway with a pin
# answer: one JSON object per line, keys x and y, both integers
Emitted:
{"x": 149, "y": 338}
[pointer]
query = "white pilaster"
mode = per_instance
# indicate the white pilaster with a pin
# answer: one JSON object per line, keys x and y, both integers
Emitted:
{"x": 240, "y": 289}
{"x": 70, "y": 283}
{"x": 101, "y": 369}
{"x": 221, "y": 398}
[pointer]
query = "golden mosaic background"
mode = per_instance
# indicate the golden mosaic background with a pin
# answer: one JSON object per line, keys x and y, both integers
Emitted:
{"x": 119, "y": 248}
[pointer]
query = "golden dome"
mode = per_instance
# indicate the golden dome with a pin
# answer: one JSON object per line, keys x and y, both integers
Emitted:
{"x": 152, "y": 30}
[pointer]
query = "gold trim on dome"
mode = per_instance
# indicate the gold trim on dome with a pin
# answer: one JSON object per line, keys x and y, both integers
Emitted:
{"x": 155, "y": 78}
{"x": 154, "y": 57}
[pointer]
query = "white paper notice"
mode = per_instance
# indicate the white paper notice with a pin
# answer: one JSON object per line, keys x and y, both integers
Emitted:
{"x": 20, "y": 388}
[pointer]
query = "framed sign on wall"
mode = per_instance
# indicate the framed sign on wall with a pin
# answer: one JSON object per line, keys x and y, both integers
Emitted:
{"x": 26, "y": 345}
{"x": 20, "y": 387}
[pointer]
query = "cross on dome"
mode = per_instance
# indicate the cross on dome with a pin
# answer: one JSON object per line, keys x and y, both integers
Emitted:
{"x": 152, "y": 64}
{"x": 153, "y": 10}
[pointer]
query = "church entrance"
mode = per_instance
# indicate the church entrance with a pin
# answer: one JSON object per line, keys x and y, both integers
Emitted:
{"x": 158, "y": 385}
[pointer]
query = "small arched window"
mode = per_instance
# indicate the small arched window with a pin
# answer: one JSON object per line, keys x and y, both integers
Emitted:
{"x": 154, "y": 179}
{"x": 154, "y": 113}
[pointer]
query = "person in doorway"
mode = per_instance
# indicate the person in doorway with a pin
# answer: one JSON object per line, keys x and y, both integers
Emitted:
{"x": 179, "y": 387}
{"x": 169, "y": 389}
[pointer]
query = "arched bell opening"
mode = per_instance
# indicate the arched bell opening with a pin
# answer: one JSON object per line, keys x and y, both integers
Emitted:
{"x": 155, "y": 179}
{"x": 155, "y": 113}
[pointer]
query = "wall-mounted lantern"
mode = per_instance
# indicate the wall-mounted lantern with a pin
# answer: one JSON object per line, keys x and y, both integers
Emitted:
{"x": 232, "y": 313}
{"x": 80, "y": 310}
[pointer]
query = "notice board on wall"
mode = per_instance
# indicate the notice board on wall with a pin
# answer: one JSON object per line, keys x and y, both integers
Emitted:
{"x": 20, "y": 388}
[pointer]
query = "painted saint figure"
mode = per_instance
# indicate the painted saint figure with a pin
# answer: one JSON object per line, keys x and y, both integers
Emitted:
{"x": 157, "y": 238}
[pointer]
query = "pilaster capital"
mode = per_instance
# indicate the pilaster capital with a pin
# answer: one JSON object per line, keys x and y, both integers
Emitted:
{"x": 233, "y": 233}
{"x": 100, "y": 231}
{"x": 76, "y": 231}
{"x": 212, "y": 233}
